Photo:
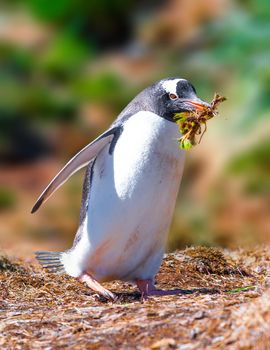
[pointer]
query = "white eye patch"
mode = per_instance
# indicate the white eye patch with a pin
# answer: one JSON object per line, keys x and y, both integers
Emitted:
{"x": 170, "y": 86}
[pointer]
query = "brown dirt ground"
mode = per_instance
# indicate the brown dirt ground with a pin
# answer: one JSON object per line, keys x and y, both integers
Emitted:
{"x": 225, "y": 304}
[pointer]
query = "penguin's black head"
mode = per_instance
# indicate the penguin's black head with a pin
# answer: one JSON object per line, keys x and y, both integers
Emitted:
{"x": 174, "y": 95}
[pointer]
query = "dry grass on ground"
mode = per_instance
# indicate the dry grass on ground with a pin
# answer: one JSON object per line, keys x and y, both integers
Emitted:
{"x": 225, "y": 305}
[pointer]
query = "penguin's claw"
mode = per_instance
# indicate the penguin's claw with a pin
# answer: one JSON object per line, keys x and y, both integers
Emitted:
{"x": 109, "y": 295}
{"x": 96, "y": 287}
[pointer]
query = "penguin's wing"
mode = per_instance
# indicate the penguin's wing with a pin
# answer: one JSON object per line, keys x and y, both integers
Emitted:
{"x": 80, "y": 160}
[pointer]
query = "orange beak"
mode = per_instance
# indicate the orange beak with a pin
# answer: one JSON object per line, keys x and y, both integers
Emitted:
{"x": 198, "y": 105}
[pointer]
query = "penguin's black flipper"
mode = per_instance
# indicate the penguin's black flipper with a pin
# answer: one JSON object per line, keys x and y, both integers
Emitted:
{"x": 80, "y": 160}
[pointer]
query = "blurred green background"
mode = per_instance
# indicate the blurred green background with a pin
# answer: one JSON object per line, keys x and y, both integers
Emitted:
{"x": 68, "y": 68}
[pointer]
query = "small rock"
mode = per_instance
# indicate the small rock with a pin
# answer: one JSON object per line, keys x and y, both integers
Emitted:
{"x": 217, "y": 339}
{"x": 164, "y": 344}
{"x": 199, "y": 315}
{"x": 194, "y": 332}
{"x": 185, "y": 347}
{"x": 258, "y": 269}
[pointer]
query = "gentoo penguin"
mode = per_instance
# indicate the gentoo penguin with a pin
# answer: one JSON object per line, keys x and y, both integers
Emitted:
{"x": 133, "y": 175}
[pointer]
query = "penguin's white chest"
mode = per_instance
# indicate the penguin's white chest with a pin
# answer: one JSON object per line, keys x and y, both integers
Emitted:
{"x": 131, "y": 201}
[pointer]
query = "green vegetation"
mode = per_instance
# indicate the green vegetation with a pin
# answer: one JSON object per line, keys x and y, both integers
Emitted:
{"x": 8, "y": 198}
{"x": 254, "y": 167}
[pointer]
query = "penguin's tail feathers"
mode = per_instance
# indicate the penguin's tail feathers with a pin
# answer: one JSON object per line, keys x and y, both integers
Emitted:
{"x": 51, "y": 261}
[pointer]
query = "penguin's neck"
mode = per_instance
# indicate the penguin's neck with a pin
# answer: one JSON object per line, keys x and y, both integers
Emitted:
{"x": 150, "y": 131}
{"x": 142, "y": 103}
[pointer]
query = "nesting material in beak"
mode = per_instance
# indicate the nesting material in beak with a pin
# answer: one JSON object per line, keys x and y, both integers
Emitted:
{"x": 190, "y": 123}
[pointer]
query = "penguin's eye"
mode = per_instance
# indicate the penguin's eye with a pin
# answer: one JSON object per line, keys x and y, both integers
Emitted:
{"x": 173, "y": 96}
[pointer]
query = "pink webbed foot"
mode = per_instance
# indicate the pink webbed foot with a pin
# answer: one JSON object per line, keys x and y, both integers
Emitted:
{"x": 147, "y": 289}
{"x": 97, "y": 287}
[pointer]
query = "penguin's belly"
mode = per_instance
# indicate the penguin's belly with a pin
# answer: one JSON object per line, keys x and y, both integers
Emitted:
{"x": 131, "y": 201}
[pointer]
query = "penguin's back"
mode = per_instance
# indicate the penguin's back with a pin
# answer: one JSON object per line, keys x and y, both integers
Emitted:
{"x": 130, "y": 202}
